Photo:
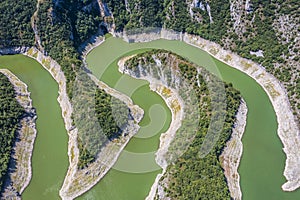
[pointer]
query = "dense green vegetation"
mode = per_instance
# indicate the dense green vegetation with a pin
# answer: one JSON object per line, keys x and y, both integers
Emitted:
{"x": 190, "y": 176}
{"x": 10, "y": 114}
{"x": 62, "y": 27}
{"x": 200, "y": 23}
{"x": 112, "y": 115}
{"x": 138, "y": 13}
{"x": 263, "y": 36}
{"x": 98, "y": 116}
{"x": 175, "y": 15}
{"x": 62, "y": 31}
{"x": 15, "y": 28}
{"x": 172, "y": 14}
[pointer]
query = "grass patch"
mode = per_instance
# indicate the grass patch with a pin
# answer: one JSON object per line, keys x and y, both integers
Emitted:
{"x": 108, "y": 35}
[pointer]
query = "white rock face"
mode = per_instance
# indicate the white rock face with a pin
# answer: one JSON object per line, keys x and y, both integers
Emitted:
{"x": 287, "y": 28}
{"x": 149, "y": 35}
{"x": 258, "y": 53}
{"x": 203, "y": 5}
{"x": 239, "y": 9}
{"x": 13, "y": 50}
{"x": 209, "y": 13}
{"x": 232, "y": 153}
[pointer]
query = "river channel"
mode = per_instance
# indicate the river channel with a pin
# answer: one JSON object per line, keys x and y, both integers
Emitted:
{"x": 262, "y": 163}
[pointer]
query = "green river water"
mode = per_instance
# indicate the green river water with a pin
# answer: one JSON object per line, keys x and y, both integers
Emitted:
{"x": 262, "y": 162}
{"x": 50, "y": 159}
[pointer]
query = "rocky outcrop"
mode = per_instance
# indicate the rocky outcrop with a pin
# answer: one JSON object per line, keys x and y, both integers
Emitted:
{"x": 107, "y": 16}
{"x": 86, "y": 48}
{"x": 13, "y": 50}
{"x": 34, "y": 20}
{"x": 149, "y": 34}
{"x": 203, "y": 5}
{"x": 238, "y": 11}
{"x": 232, "y": 153}
{"x": 20, "y": 172}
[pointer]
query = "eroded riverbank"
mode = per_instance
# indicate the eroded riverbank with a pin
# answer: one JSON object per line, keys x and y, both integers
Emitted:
{"x": 287, "y": 128}
{"x": 20, "y": 170}
{"x": 175, "y": 104}
{"x": 232, "y": 153}
{"x": 79, "y": 181}
{"x": 121, "y": 48}
{"x": 50, "y": 147}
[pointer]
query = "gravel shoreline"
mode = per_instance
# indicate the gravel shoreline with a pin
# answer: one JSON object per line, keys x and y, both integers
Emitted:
{"x": 20, "y": 170}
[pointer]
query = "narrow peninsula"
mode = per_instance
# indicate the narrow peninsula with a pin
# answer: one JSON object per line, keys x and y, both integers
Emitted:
{"x": 18, "y": 140}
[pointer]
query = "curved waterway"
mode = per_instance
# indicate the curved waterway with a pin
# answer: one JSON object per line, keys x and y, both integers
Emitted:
{"x": 50, "y": 159}
{"x": 263, "y": 160}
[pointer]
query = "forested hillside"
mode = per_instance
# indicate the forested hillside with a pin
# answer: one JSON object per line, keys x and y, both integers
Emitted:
{"x": 98, "y": 117}
{"x": 62, "y": 27}
{"x": 10, "y": 114}
{"x": 58, "y": 29}
{"x": 265, "y": 31}
{"x": 15, "y": 27}
{"x": 190, "y": 176}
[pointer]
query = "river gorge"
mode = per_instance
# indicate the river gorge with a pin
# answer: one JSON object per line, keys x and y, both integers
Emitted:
{"x": 262, "y": 163}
